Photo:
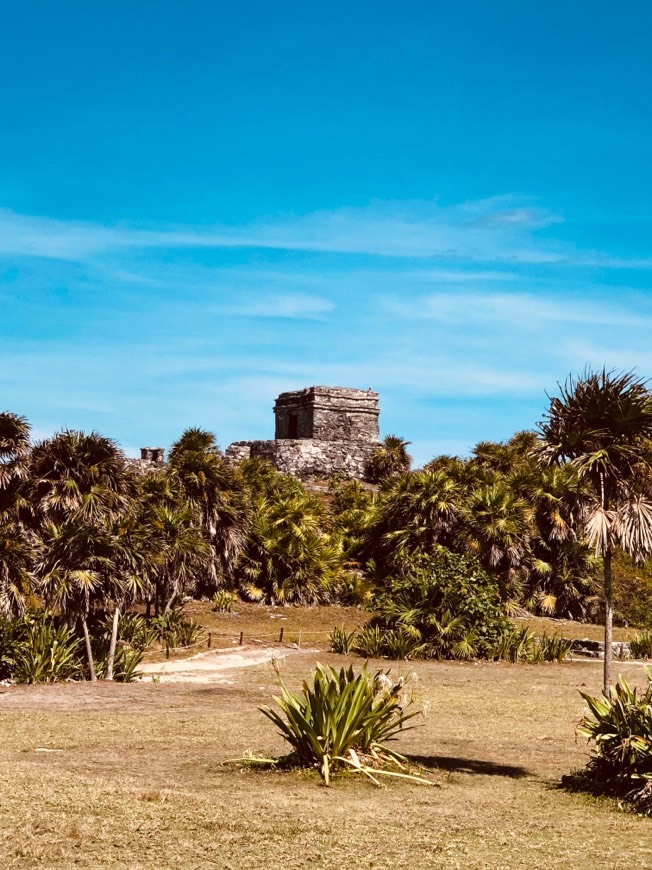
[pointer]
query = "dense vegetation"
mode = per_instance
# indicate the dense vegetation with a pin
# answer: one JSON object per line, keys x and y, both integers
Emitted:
{"x": 441, "y": 554}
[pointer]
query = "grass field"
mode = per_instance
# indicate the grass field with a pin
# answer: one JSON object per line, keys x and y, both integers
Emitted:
{"x": 133, "y": 778}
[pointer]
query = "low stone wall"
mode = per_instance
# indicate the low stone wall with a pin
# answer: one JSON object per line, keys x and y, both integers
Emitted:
{"x": 595, "y": 648}
{"x": 308, "y": 458}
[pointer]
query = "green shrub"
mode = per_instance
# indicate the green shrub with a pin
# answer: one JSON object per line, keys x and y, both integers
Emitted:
{"x": 46, "y": 651}
{"x": 223, "y": 601}
{"x": 641, "y": 645}
{"x": 343, "y": 720}
{"x": 174, "y": 629}
{"x": 135, "y": 630}
{"x": 340, "y": 640}
{"x": 10, "y": 641}
{"x": 619, "y": 725}
{"x": 125, "y": 664}
{"x": 524, "y": 646}
{"x": 445, "y": 605}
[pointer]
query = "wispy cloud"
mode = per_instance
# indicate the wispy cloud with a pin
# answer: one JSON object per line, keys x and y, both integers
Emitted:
{"x": 521, "y": 309}
{"x": 498, "y": 230}
{"x": 289, "y": 307}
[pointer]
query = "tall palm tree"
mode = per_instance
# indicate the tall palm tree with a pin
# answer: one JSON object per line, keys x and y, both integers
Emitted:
{"x": 602, "y": 424}
{"x": 81, "y": 491}
{"x": 15, "y": 544}
{"x": 78, "y": 472}
{"x": 497, "y": 526}
{"x": 216, "y": 491}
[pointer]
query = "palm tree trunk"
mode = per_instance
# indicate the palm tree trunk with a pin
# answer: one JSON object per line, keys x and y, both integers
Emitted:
{"x": 608, "y": 619}
{"x": 112, "y": 646}
{"x": 89, "y": 651}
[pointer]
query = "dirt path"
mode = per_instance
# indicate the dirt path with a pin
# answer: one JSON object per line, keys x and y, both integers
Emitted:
{"x": 210, "y": 667}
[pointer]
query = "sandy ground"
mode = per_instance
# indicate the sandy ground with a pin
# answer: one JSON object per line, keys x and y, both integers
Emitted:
{"x": 209, "y": 667}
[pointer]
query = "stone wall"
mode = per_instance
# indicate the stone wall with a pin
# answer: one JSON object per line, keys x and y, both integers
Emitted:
{"x": 308, "y": 458}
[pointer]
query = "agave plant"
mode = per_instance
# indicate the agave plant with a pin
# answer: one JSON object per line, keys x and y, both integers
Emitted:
{"x": 340, "y": 640}
{"x": 620, "y": 726}
{"x": 48, "y": 652}
{"x": 344, "y": 720}
{"x": 641, "y": 645}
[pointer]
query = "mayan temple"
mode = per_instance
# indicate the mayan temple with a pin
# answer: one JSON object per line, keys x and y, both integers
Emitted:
{"x": 319, "y": 432}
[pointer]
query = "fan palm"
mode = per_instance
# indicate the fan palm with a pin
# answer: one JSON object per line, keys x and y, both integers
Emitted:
{"x": 602, "y": 424}
{"x": 216, "y": 491}
{"x": 81, "y": 493}
{"x": 288, "y": 557}
{"x": 390, "y": 458}
{"x": 416, "y": 514}
{"x": 78, "y": 472}
{"x": 15, "y": 545}
{"x": 497, "y": 527}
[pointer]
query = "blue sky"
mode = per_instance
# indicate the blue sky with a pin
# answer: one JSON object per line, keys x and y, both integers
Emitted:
{"x": 203, "y": 204}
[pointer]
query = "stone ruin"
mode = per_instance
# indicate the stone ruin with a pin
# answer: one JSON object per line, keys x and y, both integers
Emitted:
{"x": 320, "y": 432}
{"x": 151, "y": 458}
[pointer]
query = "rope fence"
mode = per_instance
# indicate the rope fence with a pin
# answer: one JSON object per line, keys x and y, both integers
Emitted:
{"x": 206, "y": 640}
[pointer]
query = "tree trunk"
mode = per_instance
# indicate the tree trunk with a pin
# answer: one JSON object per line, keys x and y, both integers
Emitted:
{"x": 169, "y": 603}
{"x": 89, "y": 651}
{"x": 608, "y": 619}
{"x": 148, "y": 608}
{"x": 114, "y": 640}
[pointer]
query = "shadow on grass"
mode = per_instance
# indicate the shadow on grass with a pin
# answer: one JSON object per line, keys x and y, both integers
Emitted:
{"x": 474, "y": 766}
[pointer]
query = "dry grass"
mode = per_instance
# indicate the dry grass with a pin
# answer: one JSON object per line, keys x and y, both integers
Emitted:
{"x": 262, "y": 625}
{"x": 570, "y": 629}
{"x": 138, "y": 782}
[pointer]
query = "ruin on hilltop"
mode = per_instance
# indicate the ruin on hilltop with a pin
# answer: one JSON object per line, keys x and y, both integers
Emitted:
{"x": 319, "y": 432}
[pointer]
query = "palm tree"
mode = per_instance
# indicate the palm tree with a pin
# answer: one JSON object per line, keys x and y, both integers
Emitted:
{"x": 602, "y": 424}
{"x": 216, "y": 491}
{"x": 415, "y": 514}
{"x": 15, "y": 545}
{"x": 78, "y": 472}
{"x": 390, "y": 459}
{"x": 73, "y": 560}
{"x": 288, "y": 557}
{"x": 497, "y": 526}
{"x": 81, "y": 492}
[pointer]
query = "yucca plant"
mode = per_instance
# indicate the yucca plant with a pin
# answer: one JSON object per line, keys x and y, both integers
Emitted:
{"x": 514, "y": 646}
{"x": 641, "y": 645}
{"x": 47, "y": 653}
{"x": 341, "y": 641}
{"x": 619, "y": 724}
{"x": 223, "y": 601}
{"x": 344, "y": 720}
{"x": 524, "y": 646}
{"x": 370, "y": 642}
{"x": 175, "y": 629}
{"x": 553, "y": 647}
{"x": 125, "y": 664}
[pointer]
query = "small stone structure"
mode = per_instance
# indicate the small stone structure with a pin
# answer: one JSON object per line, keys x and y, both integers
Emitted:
{"x": 320, "y": 431}
{"x": 150, "y": 458}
